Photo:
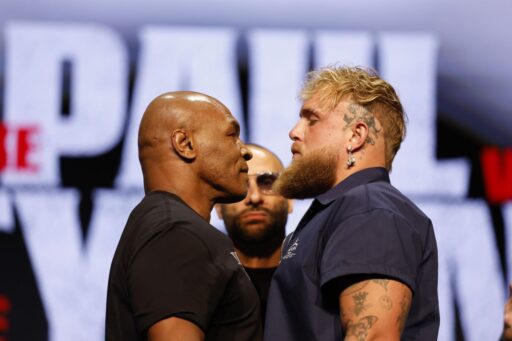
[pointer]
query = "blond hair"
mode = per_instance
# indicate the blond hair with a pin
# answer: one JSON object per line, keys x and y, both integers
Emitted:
{"x": 364, "y": 87}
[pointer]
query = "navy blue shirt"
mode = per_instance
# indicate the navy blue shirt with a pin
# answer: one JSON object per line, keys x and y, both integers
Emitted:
{"x": 364, "y": 227}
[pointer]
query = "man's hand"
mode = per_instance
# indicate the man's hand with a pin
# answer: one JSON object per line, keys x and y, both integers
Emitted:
{"x": 507, "y": 317}
{"x": 374, "y": 309}
{"x": 175, "y": 329}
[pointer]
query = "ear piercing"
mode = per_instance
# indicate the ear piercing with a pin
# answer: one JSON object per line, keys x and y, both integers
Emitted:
{"x": 351, "y": 160}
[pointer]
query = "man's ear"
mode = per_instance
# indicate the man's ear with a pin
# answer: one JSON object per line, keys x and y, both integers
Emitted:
{"x": 360, "y": 133}
{"x": 183, "y": 144}
{"x": 218, "y": 209}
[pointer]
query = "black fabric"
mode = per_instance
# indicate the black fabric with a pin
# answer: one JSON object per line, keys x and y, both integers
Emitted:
{"x": 363, "y": 227}
{"x": 261, "y": 278}
{"x": 170, "y": 262}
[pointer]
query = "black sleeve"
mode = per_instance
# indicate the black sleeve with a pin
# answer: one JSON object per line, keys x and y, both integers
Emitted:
{"x": 174, "y": 275}
{"x": 374, "y": 243}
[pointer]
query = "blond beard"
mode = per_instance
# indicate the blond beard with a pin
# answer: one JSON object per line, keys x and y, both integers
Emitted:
{"x": 309, "y": 175}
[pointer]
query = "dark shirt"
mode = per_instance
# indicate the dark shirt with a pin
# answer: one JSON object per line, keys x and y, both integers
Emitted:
{"x": 171, "y": 262}
{"x": 261, "y": 278}
{"x": 361, "y": 227}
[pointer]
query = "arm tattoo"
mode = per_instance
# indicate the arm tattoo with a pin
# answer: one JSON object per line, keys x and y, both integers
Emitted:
{"x": 386, "y": 302}
{"x": 382, "y": 282}
{"x": 360, "y": 329}
{"x": 354, "y": 288}
{"x": 358, "y": 112}
{"x": 359, "y": 299}
{"x": 404, "y": 310}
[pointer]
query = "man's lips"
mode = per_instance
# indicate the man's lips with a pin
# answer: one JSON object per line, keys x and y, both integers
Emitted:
{"x": 254, "y": 215}
{"x": 295, "y": 150}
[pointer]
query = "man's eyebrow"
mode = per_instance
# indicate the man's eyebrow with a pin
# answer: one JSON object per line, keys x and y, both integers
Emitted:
{"x": 235, "y": 125}
{"x": 308, "y": 112}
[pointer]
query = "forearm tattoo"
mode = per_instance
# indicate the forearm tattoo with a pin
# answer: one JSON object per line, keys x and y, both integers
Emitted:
{"x": 357, "y": 112}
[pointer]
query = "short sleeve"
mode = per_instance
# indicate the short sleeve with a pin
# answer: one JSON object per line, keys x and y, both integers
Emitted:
{"x": 174, "y": 275}
{"x": 375, "y": 242}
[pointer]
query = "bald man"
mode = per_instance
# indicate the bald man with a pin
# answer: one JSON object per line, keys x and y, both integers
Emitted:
{"x": 174, "y": 276}
{"x": 257, "y": 224}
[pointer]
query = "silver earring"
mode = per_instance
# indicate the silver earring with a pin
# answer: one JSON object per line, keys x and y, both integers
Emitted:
{"x": 351, "y": 160}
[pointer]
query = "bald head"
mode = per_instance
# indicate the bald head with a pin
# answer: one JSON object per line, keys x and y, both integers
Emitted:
{"x": 189, "y": 144}
{"x": 266, "y": 156}
{"x": 174, "y": 110}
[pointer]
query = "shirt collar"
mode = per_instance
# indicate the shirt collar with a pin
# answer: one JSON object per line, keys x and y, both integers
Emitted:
{"x": 362, "y": 177}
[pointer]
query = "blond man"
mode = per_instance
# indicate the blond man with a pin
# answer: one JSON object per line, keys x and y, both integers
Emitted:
{"x": 362, "y": 263}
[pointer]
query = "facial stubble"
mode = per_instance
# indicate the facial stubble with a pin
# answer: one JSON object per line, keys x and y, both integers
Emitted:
{"x": 263, "y": 244}
{"x": 308, "y": 175}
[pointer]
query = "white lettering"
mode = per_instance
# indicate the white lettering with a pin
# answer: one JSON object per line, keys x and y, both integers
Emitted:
{"x": 35, "y": 55}
{"x": 408, "y": 61}
{"x": 278, "y": 64}
{"x": 469, "y": 270}
{"x": 72, "y": 277}
{"x": 112, "y": 209}
{"x": 51, "y": 231}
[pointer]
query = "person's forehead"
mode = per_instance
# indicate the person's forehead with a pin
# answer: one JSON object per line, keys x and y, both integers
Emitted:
{"x": 311, "y": 104}
{"x": 217, "y": 114}
{"x": 262, "y": 161}
{"x": 314, "y": 105}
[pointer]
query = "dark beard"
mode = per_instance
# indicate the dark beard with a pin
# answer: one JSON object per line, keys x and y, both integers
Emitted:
{"x": 308, "y": 176}
{"x": 265, "y": 244}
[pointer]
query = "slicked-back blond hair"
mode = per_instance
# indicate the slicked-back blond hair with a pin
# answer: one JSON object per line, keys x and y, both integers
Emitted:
{"x": 364, "y": 87}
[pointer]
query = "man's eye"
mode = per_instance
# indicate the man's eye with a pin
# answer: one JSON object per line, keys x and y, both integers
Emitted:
{"x": 266, "y": 180}
{"x": 266, "y": 183}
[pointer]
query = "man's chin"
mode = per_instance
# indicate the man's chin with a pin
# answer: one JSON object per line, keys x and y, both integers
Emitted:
{"x": 308, "y": 175}
{"x": 253, "y": 239}
{"x": 253, "y": 232}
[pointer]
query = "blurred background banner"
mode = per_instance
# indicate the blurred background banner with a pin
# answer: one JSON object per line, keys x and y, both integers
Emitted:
{"x": 76, "y": 76}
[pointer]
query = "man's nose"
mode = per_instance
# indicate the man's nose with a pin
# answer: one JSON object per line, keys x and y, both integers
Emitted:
{"x": 296, "y": 133}
{"x": 246, "y": 153}
{"x": 254, "y": 196}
